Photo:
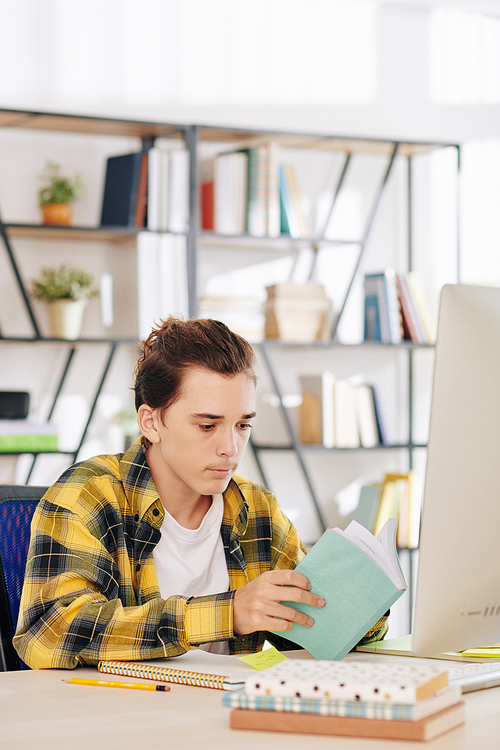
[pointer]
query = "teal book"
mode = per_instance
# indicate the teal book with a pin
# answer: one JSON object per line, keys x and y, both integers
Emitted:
{"x": 359, "y": 576}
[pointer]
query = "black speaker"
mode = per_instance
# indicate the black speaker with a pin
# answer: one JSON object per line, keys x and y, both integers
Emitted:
{"x": 14, "y": 404}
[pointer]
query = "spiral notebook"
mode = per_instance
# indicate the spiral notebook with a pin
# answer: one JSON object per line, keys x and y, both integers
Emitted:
{"x": 198, "y": 668}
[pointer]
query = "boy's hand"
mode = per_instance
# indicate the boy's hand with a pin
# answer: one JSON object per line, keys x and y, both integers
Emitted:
{"x": 257, "y": 605}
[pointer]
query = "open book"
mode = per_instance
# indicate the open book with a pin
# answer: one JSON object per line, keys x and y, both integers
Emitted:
{"x": 359, "y": 576}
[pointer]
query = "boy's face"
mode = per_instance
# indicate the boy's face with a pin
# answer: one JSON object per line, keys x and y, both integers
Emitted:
{"x": 204, "y": 433}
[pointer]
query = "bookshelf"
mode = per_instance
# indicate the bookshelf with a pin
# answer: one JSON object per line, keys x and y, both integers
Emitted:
{"x": 205, "y": 142}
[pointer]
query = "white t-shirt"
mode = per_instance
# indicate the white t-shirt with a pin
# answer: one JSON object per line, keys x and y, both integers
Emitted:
{"x": 191, "y": 562}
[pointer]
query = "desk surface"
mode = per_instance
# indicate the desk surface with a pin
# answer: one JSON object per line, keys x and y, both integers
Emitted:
{"x": 38, "y": 709}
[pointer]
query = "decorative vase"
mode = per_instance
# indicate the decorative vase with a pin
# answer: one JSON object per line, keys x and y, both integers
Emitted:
{"x": 56, "y": 213}
{"x": 66, "y": 317}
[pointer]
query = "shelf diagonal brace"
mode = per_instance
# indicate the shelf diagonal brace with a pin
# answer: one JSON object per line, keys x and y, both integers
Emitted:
{"x": 368, "y": 228}
{"x": 19, "y": 280}
{"x": 291, "y": 431}
{"x": 340, "y": 182}
{"x": 109, "y": 360}
{"x": 60, "y": 385}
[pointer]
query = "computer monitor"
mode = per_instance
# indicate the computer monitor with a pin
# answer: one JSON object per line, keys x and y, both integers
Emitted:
{"x": 458, "y": 586}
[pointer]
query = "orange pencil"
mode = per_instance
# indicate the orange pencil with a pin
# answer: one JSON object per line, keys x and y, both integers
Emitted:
{"x": 131, "y": 685}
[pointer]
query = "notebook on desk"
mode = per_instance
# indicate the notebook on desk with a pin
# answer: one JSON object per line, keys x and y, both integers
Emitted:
{"x": 457, "y": 603}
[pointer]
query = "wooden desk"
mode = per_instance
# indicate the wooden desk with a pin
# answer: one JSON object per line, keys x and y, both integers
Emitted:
{"x": 38, "y": 709}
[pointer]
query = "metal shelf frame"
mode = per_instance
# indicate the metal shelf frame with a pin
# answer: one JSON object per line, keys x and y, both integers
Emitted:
{"x": 194, "y": 135}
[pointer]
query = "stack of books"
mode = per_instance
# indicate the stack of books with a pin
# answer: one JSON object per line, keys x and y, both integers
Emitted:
{"x": 338, "y": 414}
{"x": 242, "y": 315}
{"x": 387, "y": 700}
{"x": 397, "y": 496}
{"x": 396, "y": 309}
{"x": 25, "y": 436}
{"x": 297, "y": 312}
{"x": 147, "y": 189}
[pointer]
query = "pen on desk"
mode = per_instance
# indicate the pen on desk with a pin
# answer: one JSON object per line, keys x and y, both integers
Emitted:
{"x": 107, "y": 683}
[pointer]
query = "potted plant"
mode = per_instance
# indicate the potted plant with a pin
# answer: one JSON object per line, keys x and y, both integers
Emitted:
{"x": 58, "y": 192}
{"x": 66, "y": 291}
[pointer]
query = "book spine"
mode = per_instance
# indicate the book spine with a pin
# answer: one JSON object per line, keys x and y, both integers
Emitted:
{"x": 162, "y": 674}
{"x": 272, "y": 191}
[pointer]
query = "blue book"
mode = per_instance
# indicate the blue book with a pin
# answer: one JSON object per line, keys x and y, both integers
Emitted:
{"x": 359, "y": 576}
{"x": 121, "y": 187}
{"x": 387, "y": 710}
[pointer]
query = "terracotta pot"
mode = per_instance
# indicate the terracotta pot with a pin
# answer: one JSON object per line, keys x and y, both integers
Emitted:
{"x": 66, "y": 317}
{"x": 57, "y": 213}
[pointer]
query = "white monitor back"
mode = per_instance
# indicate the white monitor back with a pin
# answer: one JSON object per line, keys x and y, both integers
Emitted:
{"x": 458, "y": 588}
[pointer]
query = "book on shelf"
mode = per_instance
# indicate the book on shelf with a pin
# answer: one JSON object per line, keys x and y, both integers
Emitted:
{"x": 359, "y": 576}
{"x": 273, "y": 191}
{"x": 141, "y": 206}
{"x": 196, "y": 667}
{"x": 256, "y": 223}
{"x": 337, "y": 413}
{"x": 230, "y": 192}
{"x": 178, "y": 190}
{"x": 412, "y": 326}
{"x": 14, "y": 404}
{"x": 316, "y": 425}
{"x": 352, "y": 698}
{"x": 366, "y": 510}
{"x": 26, "y": 436}
{"x": 289, "y": 222}
{"x": 396, "y": 496}
{"x": 119, "y": 203}
{"x": 207, "y": 205}
{"x": 154, "y": 189}
{"x": 416, "y": 291}
{"x": 382, "y": 311}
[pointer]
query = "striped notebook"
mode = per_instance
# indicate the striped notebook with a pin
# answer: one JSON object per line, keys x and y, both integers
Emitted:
{"x": 197, "y": 668}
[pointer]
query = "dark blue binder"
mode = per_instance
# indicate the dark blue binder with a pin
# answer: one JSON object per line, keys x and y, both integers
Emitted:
{"x": 121, "y": 187}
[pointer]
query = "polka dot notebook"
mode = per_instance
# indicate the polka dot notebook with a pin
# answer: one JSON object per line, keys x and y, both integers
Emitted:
{"x": 351, "y": 681}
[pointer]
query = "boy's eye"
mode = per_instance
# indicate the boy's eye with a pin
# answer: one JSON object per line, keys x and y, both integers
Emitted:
{"x": 206, "y": 427}
{"x": 245, "y": 425}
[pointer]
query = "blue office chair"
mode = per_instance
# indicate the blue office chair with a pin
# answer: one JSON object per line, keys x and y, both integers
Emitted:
{"x": 17, "y": 505}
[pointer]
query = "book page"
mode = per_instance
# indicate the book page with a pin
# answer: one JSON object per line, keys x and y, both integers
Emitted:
{"x": 377, "y": 548}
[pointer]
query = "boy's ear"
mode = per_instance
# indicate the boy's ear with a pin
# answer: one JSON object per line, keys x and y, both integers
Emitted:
{"x": 146, "y": 422}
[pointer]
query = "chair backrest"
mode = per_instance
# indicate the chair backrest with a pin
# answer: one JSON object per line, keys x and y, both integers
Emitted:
{"x": 17, "y": 505}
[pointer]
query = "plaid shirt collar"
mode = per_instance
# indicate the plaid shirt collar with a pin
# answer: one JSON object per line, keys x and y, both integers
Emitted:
{"x": 141, "y": 493}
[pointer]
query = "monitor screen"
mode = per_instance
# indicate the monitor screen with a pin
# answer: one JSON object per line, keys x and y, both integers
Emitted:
{"x": 458, "y": 586}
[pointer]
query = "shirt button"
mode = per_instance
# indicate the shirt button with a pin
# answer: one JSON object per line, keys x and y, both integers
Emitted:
{"x": 138, "y": 567}
{"x": 136, "y": 517}
{"x": 156, "y": 512}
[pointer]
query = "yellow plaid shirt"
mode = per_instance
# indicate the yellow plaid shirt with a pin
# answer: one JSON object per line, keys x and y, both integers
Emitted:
{"x": 91, "y": 591}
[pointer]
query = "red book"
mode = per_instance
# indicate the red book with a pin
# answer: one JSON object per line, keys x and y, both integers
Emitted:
{"x": 142, "y": 192}
{"x": 207, "y": 205}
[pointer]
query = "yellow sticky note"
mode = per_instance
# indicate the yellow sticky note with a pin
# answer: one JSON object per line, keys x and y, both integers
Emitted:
{"x": 264, "y": 659}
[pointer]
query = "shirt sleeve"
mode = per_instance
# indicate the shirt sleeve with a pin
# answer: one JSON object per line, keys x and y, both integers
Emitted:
{"x": 73, "y": 608}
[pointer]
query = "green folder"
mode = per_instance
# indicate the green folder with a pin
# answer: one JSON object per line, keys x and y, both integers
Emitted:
{"x": 356, "y": 590}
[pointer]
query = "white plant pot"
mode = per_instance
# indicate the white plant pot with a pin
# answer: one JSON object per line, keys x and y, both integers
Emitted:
{"x": 66, "y": 317}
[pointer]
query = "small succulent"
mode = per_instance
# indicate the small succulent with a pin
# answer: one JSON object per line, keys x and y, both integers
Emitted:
{"x": 63, "y": 283}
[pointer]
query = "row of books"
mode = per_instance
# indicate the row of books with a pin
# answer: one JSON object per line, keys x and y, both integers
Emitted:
{"x": 396, "y": 309}
{"x": 349, "y": 698}
{"x": 249, "y": 192}
{"x": 338, "y": 414}
{"x": 147, "y": 189}
{"x": 396, "y": 496}
{"x": 297, "y": 312}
